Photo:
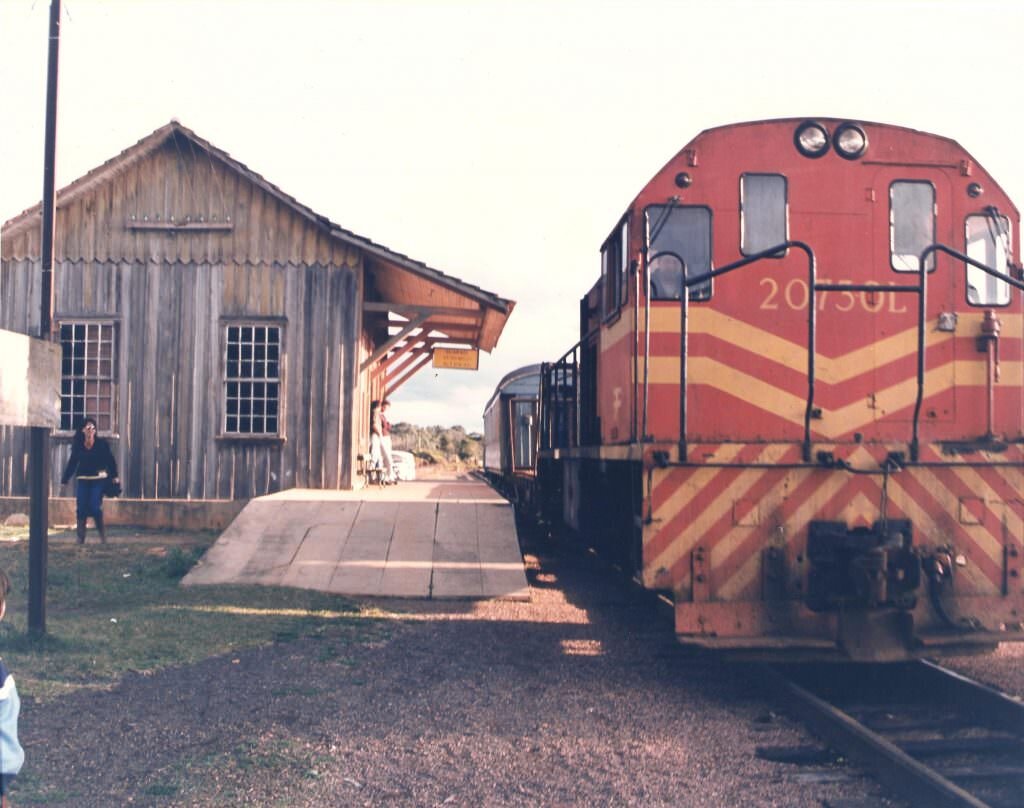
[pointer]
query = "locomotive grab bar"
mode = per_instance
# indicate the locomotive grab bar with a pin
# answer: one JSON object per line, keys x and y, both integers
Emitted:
{"x": 920, "y": 289}
{"x": 921, "y": 315}
{"x": 772, "y": 252}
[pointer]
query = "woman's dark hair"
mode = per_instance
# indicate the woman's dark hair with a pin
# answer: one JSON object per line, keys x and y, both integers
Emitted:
{"x": 80, "y": 432}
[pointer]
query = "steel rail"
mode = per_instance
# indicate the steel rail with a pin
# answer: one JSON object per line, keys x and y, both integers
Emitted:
{"x": 893, "y": 767}
{"x": 982, "y": 703}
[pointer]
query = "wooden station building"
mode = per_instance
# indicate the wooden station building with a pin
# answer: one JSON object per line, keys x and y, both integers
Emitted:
{"x": 228, "y": 339}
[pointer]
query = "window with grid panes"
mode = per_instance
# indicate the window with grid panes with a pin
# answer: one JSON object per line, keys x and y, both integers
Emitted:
{"x": 252, "y": 379}
{"x": 87, "y": 386}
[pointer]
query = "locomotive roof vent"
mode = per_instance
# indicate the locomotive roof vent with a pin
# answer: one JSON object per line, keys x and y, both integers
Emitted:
{"x": 811, "y": 139}
{"x": 850, "y": 141}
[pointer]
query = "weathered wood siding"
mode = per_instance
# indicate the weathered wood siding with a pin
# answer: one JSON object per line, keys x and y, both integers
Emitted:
{"x": 170, "y": 296}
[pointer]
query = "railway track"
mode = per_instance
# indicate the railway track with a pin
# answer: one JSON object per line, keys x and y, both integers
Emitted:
{"x": 934, "y": 737}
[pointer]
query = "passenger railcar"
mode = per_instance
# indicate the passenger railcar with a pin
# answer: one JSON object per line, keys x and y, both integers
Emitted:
{"x": 817, "y": 448}
{"x": 511, "y": 434}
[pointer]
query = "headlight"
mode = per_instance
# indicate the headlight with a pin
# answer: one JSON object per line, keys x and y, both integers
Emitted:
{"x": 811, "y": 139}
{"x": 850, "y": 140}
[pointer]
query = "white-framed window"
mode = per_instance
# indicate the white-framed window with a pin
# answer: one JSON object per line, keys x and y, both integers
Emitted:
{"x": 678, "y": 236}
{"x": 764, "y": 213}
{"x": 252, "y": 379}
{"x": 87, "y": 385}
{"x": 911, "y": 224}
{"x": 987, "y": 241}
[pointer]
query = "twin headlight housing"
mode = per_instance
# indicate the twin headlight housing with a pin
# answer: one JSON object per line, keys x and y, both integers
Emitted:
{"x": 812, "y": 140}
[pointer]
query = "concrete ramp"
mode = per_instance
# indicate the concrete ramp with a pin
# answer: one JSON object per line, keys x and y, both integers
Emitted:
{"x": 425, "y": 539}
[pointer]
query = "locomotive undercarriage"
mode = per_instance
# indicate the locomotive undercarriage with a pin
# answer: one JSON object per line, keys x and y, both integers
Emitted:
{"x": 864, "y": 593}
{"x": 883, "y": 591}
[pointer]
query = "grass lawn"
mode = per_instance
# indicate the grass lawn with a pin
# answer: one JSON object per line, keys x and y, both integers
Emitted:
{"x": 118, "y": 607}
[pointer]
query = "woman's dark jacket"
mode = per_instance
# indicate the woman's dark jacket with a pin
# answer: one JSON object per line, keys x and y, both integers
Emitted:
{"x": 89, "y": 463}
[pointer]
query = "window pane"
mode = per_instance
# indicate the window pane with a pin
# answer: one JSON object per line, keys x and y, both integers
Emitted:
{"x": 911, "y": 224}
{"x": 523, "y": 433}
{"x": 624, "y": 262}
{"x": 87, "y": 370}
{"x": 988, "y": 239}
{"x": 763, "y": 212}
{"x": 252, "y": 354}
{"x": 678, "y": 235}
{"x": 609, "y": 275}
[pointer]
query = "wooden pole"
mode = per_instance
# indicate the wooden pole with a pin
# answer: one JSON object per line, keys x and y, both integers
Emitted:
{"x": 39, "y": 446}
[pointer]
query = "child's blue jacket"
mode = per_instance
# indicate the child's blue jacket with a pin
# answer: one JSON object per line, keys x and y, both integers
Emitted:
{"x": 11, "y": 753}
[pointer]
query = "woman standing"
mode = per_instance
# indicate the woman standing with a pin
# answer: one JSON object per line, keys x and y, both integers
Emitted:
{"x": 93, "y": 465}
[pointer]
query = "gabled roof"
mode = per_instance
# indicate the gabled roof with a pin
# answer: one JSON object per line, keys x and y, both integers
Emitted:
{"x": 491, "y": 310}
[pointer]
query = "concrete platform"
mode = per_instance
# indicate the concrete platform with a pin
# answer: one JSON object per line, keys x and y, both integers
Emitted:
{"x": 425, "y": 539}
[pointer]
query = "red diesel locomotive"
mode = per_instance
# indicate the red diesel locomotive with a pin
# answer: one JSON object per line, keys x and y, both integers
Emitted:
{"x": 817, "y": 448}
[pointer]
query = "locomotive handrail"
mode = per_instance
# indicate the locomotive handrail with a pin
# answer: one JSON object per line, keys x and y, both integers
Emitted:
{"x": 772, "y": 252}
{"x": 560, "y": 368}
{"x": 922, "y": 290}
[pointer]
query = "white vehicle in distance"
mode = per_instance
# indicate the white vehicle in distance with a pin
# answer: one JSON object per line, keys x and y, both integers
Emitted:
{"x": 404, "y": 464}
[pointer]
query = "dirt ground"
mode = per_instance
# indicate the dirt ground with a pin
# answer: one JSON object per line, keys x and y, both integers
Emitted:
{"x": 580, "y": 697}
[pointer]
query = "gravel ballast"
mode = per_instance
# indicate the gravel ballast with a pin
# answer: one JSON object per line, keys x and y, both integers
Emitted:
{"x": 580, "y": 697}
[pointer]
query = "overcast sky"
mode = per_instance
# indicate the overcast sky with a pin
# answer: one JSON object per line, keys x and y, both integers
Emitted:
{"x": 498, "y": 142}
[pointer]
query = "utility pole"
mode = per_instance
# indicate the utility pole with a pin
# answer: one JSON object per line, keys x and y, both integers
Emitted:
{"x": 39, "y": 446}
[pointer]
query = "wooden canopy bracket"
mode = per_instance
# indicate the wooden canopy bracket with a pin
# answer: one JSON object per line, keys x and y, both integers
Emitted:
{"x": 382, "y": 350}
{"x": 406, "y": 372}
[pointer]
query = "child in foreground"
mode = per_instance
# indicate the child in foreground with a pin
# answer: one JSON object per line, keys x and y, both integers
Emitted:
{"x": 11, "y": 753}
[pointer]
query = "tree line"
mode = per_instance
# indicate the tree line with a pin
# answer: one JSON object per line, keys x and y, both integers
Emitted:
{"x": 439, "y": 444}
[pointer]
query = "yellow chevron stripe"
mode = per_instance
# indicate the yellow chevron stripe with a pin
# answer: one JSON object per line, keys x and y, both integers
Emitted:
{"x": 751, "y": 568}
{"x": 928, "y": 530}
{"x": 694, "y": 484}
{"x": 716, "y": 509}
{"x": 1014, "y": 526}
{"x": 990, "y": 542}
{"x": 855, "y": 415}
{"x": 831, "y": 370}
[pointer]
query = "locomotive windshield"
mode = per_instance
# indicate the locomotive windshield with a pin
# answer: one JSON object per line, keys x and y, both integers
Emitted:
{"x": 678, "y": 236}
{"x": 911, "y": 224}
{"x": 988, "y": 242}
{"x": 762, "y": 212}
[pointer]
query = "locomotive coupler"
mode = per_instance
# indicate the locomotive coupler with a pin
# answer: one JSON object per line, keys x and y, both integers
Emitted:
{"x": 863, "y": 567}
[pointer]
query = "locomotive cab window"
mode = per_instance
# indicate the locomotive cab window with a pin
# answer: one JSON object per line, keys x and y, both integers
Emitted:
{"x": 676, "y": 237}
{"x": 615, "y": 270}
{"x": 911, "y": 224}
{"x": 763, "y": 213}
{"x": 987, "y": 242}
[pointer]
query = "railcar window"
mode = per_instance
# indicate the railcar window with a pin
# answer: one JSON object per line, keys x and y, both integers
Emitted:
{"x": 988, "y": 240}
{"x": 676, "y": 236}
{"x": 763, "y": 213}
{"x": 524, "y": 425}
{"x": 911, "y": 224}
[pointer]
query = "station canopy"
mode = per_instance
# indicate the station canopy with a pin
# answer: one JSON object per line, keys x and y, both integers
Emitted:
{"x": 411, "y": 309}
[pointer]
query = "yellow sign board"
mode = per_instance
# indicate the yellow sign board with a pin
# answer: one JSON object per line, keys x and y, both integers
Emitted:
{"x": 457, "y": 358}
